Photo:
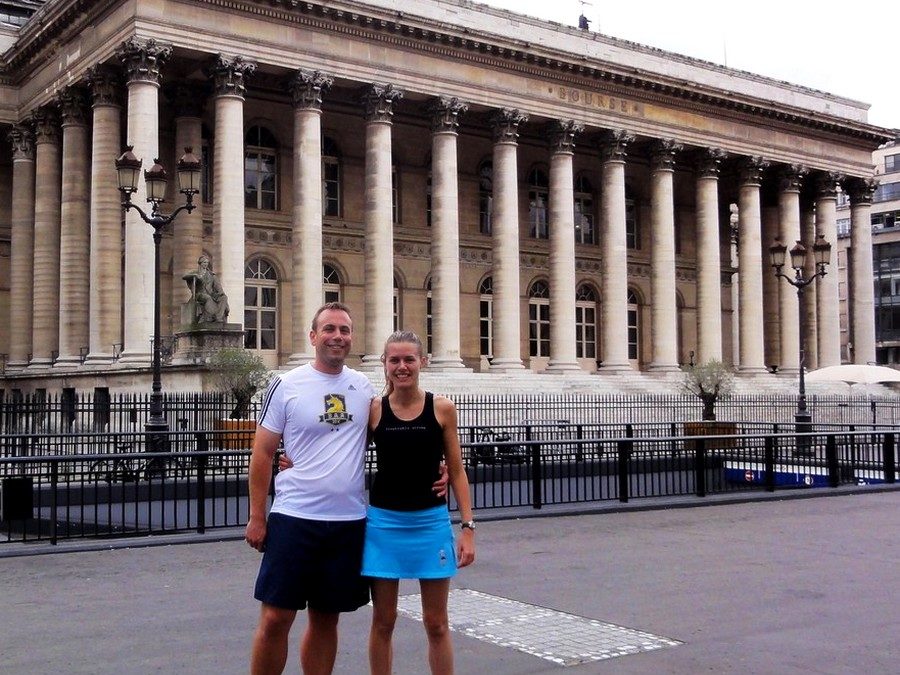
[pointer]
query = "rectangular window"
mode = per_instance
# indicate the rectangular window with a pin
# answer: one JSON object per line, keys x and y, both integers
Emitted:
{"x": 891, "y": 163}
{"x": 484, "y": 321}
{"x": 331, "y": 188}
{"x": 887, "y": 192}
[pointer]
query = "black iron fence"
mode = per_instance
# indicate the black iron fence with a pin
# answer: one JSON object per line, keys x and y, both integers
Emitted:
{"x": 56, "y": 487}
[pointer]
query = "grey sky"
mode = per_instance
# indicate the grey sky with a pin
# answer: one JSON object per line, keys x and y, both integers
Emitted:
{"x": 835, "y": 47}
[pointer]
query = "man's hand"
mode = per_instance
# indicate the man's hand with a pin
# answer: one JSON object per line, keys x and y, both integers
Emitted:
{"x": 284, "y": 462}
{"x": 255, "y": 534}
{"x": 440, "y": 485}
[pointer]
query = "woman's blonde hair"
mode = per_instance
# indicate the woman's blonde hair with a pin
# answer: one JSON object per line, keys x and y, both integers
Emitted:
{"x": 405, "y": 337}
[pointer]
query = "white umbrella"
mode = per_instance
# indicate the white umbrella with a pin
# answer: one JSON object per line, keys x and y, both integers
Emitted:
{"x": 854, "y": 374}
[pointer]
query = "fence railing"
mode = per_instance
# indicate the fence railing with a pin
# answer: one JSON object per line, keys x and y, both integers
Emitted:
{"x": 101, "y": 485}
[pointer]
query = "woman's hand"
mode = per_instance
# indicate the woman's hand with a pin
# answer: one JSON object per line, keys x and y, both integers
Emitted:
{"x": 284, "y": 462}
{"x": 465, "y": 548}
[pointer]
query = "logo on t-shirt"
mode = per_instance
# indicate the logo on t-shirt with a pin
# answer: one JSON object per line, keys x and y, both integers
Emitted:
{"x": 335, "y": 410}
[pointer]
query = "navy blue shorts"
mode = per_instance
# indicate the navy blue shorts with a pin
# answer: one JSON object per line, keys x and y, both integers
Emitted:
{"x": 313, "y": 563}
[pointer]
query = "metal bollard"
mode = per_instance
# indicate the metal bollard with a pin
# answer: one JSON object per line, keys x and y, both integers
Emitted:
{"x": 889, "y": 459}
{"x": 700, "y": 468}
{"x": 624, "y": 456}
{"x": 770, "y": 463}
{"x": 831, "y": 462}
{"x": 537, "y": 495}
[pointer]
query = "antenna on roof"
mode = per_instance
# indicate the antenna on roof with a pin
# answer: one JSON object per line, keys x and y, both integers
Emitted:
{"x": 583, "y": 22}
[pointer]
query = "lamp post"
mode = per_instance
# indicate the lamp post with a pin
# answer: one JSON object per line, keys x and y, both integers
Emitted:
{"x": 822, "y": 256}
{"x": 188, "y": 169}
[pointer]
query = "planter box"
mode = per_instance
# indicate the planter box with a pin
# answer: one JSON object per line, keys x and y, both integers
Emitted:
{"x": 238, "y": 434}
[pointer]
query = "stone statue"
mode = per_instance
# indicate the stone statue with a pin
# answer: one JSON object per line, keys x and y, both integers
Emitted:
{"x": 208, "y": 300}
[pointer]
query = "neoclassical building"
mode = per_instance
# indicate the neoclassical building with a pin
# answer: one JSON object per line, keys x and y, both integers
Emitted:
{"x": 527, "y": 195}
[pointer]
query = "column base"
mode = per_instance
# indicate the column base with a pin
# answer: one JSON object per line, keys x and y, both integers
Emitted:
{"x": 371, "y": 363}
{"x": 40, "y": 363}
{"x": 663, "y": 368}
{"x": 99, "y": 360}
{"x": 67, "y": 362}
{"x": 17, "y": 365}
{"x": 298, "y": 360}
{"x": 789, "y": 371}
{"x": 562, "y": 367}
{"x": 615, "y": 368}
{"x": 507, "y": 366}
{"x": 448, "y": 365}
{"x": 135, "y": 359}
{"x": 752, "y": 370}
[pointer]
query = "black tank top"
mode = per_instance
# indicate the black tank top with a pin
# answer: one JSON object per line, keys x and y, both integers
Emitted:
{"x": 409, "y": 455}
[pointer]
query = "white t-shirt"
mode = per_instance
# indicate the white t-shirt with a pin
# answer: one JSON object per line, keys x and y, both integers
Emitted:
{"x": 323, "y": 420}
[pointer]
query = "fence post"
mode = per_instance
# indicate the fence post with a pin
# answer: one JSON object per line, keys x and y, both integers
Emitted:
{"x": 770, "y": 463}
{"x": 831, "y": 461}
{"x": 888, "y": 459}
{"x": 537, "y": 495}
{"x": 700, "y": 468}
{"x": 624, "y": 456}
{"x": 202, "y": 446}
{"x": 54, "y": 485}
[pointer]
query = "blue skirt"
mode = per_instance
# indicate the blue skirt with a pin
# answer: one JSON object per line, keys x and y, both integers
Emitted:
{"x": 409, "y": 544}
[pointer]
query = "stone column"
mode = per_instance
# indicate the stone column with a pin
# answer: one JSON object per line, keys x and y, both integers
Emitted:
{"x": 378, "y": 100}
{"x": 862, "y": 291}
{"x": 228, "y": 75}
{"x": 562, "y": 246}
{"x": 505, "y": 242}
{"x": 187, "y": 230}
{"x": 142, "y": 60}
{"x": 444, "y": 113}
{"x": 47, "y": 196}
{"x": 663, "y": 307}
{"x": 307, "y": 88}
{"x": 613, "y": 249}
{"x": 751, "y": 267}
{"x": 75, "y": 237}
{"x": 105, "y": 301}
{"x": 791, "y": 179}
{"x": 709, "y": 263}
{"x": 828, "y": 304}
{"x": 810, "y": 296}
{"x": 21, "y": 286}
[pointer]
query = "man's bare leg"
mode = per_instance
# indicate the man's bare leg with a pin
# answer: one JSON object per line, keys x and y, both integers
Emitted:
{"x": 319, "y": 647}
{"x": 270, "y": 642}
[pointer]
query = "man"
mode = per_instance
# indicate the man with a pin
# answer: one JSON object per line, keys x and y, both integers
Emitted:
{"x": 313, "y": 538}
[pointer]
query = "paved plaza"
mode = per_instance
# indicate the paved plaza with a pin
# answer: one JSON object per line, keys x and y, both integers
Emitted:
{"x": 780, "y": 586}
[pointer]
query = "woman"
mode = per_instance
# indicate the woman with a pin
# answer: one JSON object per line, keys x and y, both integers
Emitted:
{"x": 408, "y": 532}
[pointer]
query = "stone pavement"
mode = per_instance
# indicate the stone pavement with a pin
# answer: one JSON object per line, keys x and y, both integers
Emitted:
{"x": 779, "y": 586}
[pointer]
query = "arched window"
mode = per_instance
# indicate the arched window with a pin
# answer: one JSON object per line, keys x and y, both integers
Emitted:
{"x": 260, "y": 305}
{"x": 539, "y": 319}
{"x": 632, "y": 226}
{"x": 331, "y": 284}
{"x": 485, "y": 196}
{"x": 538, "y": 191}
{"x": 585, "y": 322}
{"x": 331, "y": 178}
{"x": 584, "y": 211}
{"x": 260, "y": 169}
{"x": 486, "y": 316}
{"x": 634, "y": 328}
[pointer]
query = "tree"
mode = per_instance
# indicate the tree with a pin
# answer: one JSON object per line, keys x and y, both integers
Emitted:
{"x": 708, "y": 381}
{"x": 240, "y": 373}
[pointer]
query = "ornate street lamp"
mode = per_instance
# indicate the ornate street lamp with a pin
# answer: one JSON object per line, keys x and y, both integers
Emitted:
{"x": 188, "y": 169}
{"x": 822, "y": 257}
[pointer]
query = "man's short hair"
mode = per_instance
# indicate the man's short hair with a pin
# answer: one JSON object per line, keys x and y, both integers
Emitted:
{"x": 339, "y": 306}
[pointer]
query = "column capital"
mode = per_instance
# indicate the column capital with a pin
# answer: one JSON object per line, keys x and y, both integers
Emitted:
{"x": 307, "y": 87}
{"x": 751, "y": 170}
{"x": 72, "y": 105}
{"x": 561, "y": 134}
{"x": 228, "y": 74}
{"x": 827, "y": 183}
{"x": 505, "y": 124}
{"x": 790, "y": 177}
{"x": 860, "y": 190}
{"x": 46, "y": 125}
{"x": 709, "y": 162}
{"x": 22, "y": 140}
{"x": 183, "y": 96}
{"x": 142, "y": 59}
{"x": 662, "y": 154}
{"x": 613, "y": 144}
{"x": 378, "y": 100}
{"x": 105, "y": 83}
{"x": 445, "y": 112}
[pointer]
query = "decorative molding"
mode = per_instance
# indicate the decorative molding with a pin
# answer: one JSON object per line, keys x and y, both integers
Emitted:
{"x": 505, "y": 124}
{"x": 444, "y": 112}
{"x": 72, "y": 103}
{"x": 709, "y": 162}
{"x": 143, "y": 59}
{"x": 105, "y": 83}
{"x": 22, "y": 139}
{"x": 662, "y": 154}
{"x": 378, "y": 101}
{"x": 860, "y": 190}
{"x": 751, "y": 170}
{"x": 46, "y": 125}
{"x": 307, "y": 87}
{"x": 827, "y": 183}
{"x": 613, "y": 144}
{"x": 476, "y": 256}
{"x": 228, "y": 74}
{"x": 561, "y": 135}
{"x": 790, "y": 177}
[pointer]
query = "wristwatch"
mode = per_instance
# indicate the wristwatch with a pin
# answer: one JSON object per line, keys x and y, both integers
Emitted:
{"x": 467, "y": 525}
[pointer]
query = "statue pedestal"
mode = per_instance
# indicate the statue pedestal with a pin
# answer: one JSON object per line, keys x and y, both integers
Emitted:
{"x": 194, "y": 345}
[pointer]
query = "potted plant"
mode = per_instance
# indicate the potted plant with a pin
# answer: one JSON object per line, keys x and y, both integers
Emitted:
{"x": 241, "y": 373}
{"x": 708, "y": 381}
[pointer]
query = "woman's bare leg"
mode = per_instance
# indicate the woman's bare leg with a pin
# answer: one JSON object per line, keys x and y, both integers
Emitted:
{"x": 437, "y": 624}
{"x": 384, "y": 616}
